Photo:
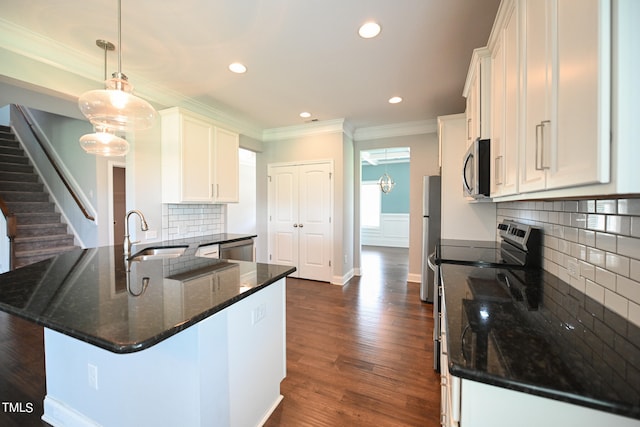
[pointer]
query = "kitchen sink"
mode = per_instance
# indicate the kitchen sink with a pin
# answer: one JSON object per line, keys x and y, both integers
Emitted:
{"x": 161, "y": 252}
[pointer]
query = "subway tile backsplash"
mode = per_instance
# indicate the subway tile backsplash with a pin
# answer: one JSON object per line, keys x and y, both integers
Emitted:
{"x": 594, "y": 245}
{"x": 180, "y": 220}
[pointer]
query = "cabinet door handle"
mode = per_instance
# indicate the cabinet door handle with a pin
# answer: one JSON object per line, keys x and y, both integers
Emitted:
{"x": 497, "y": 175}
{"x": 540, "y": 143}
{"x": 295, "y": 225}
{"x": 300, "y": 225}
{"x": 538, "y": 156}
{"x": 468, "y": 129}
{"x": 545, "y": 141}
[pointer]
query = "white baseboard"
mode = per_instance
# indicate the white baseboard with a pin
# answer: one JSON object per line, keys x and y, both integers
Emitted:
{"x": 270, "y": 411}
{"x": 57, "y": 414}
{"x": 342, "y": 280}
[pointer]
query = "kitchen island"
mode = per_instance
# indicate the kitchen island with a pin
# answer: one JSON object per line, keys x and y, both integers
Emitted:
{"x": 165, "y": 338}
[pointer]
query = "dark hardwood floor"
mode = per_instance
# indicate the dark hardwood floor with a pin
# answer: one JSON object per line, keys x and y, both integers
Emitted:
{"x": 357, "y": 355}
{"x": 360, "y": 355}
{"x": 22, "y": 380}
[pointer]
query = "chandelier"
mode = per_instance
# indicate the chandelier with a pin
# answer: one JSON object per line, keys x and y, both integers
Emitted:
{"x": 114, "y": 108}
{"x": 385, "y": 182}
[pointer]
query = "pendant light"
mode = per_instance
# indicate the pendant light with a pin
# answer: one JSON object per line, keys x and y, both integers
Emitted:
{"x": 386, "y": 182}
{"x": 116, "y": 107}
{"x": 104, "y": 141}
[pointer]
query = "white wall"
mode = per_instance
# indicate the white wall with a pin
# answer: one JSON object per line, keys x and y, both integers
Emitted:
{"x": 460, "y": 218}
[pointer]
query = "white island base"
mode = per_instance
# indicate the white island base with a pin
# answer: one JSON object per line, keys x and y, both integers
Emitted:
{"x": 223, "y": 371}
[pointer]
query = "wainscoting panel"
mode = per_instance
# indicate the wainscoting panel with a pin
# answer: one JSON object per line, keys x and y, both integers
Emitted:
{"x": 393, "y": 232}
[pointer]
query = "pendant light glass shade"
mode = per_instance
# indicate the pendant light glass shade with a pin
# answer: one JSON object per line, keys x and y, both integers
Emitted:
{"x": 104, "y": 143}
{"x": 116, "y": 107}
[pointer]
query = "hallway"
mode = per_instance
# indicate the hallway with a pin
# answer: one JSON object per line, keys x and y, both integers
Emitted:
{"x": 360, "y": 355}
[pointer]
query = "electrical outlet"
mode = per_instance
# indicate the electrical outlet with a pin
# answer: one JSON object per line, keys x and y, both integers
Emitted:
{"x": 258, "y": 313}
{"x": 92, "y": 376}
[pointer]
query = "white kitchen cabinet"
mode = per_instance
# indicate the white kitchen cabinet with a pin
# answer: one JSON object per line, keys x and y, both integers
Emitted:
{"x": 225, "y": 174}
{"x": 566, "y": 48}
{"x": 504, "y": 101}
{"x": 477, "y": 93}
{"x": 199, "y": 159}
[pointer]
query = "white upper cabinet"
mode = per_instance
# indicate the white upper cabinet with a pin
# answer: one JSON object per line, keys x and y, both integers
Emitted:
{"x": 199, "y": 159}
{"x": 504, "y": 102}
{"x": 563, "y": 95}
{"x": 477, "y": 92}
{"x": 566, "y": 46}
{"x": 225, "y": 174}
{"x": 580, "y": 149}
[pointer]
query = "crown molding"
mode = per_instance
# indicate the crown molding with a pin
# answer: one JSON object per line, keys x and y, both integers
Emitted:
{"x": 311, "y": 128}
{"x": 395, "y": 130}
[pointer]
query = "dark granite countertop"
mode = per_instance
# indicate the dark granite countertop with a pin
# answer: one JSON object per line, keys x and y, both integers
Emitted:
{"x": 210, "y": 239}
{"x": 534, "y": 333}
{"x": 96, "y": 296}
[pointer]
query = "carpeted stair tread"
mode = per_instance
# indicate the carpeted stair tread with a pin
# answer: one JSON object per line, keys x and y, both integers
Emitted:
{"x": 40, "y": 233}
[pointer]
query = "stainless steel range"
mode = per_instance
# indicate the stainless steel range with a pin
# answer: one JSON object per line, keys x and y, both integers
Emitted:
{"x": 518, "y": 253}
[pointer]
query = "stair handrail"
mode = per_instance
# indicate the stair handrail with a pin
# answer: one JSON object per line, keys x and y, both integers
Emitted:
{"x": 55, "y": 166}
{"x": 12, "y": 229}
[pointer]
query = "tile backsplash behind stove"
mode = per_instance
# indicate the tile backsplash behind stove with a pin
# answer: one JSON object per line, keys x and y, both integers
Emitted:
{"x": 594, "y": 245}
{"x": 192, "y": 220}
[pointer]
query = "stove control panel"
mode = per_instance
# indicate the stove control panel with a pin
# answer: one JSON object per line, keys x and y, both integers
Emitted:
{"x": 519, "y": 235}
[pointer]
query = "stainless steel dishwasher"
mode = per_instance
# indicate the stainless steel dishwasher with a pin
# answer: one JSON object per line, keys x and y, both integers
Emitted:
{"x": 241, "y": 250}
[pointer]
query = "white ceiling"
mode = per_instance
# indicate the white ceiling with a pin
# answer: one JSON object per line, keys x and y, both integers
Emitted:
{"x": 302, "y": 55}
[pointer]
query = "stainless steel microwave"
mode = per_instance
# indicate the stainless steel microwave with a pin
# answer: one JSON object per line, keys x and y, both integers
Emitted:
{"x": 476, "y": 173}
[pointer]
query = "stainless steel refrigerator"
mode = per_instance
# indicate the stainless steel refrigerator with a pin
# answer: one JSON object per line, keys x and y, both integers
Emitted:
{"x": 430, "y": 231}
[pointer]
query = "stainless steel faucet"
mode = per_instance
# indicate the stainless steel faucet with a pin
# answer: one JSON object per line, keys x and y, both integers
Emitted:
{"x": 143, "y": 226}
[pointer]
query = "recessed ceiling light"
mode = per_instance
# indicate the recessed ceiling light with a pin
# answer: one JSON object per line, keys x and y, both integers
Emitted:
{"x": 369, "y": 30}
{"x": 305, "y": 115}
{"x": 237, "y": 68}
{"x": 395, "y": 100}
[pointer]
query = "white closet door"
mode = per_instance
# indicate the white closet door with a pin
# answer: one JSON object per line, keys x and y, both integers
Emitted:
{"x": 314, "y": 221}
{"x": 300, "y": 219}
{"x": 283, "y": 216}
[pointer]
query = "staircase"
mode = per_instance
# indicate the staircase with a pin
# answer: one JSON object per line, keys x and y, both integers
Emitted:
{"x": 40, "y": 232}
